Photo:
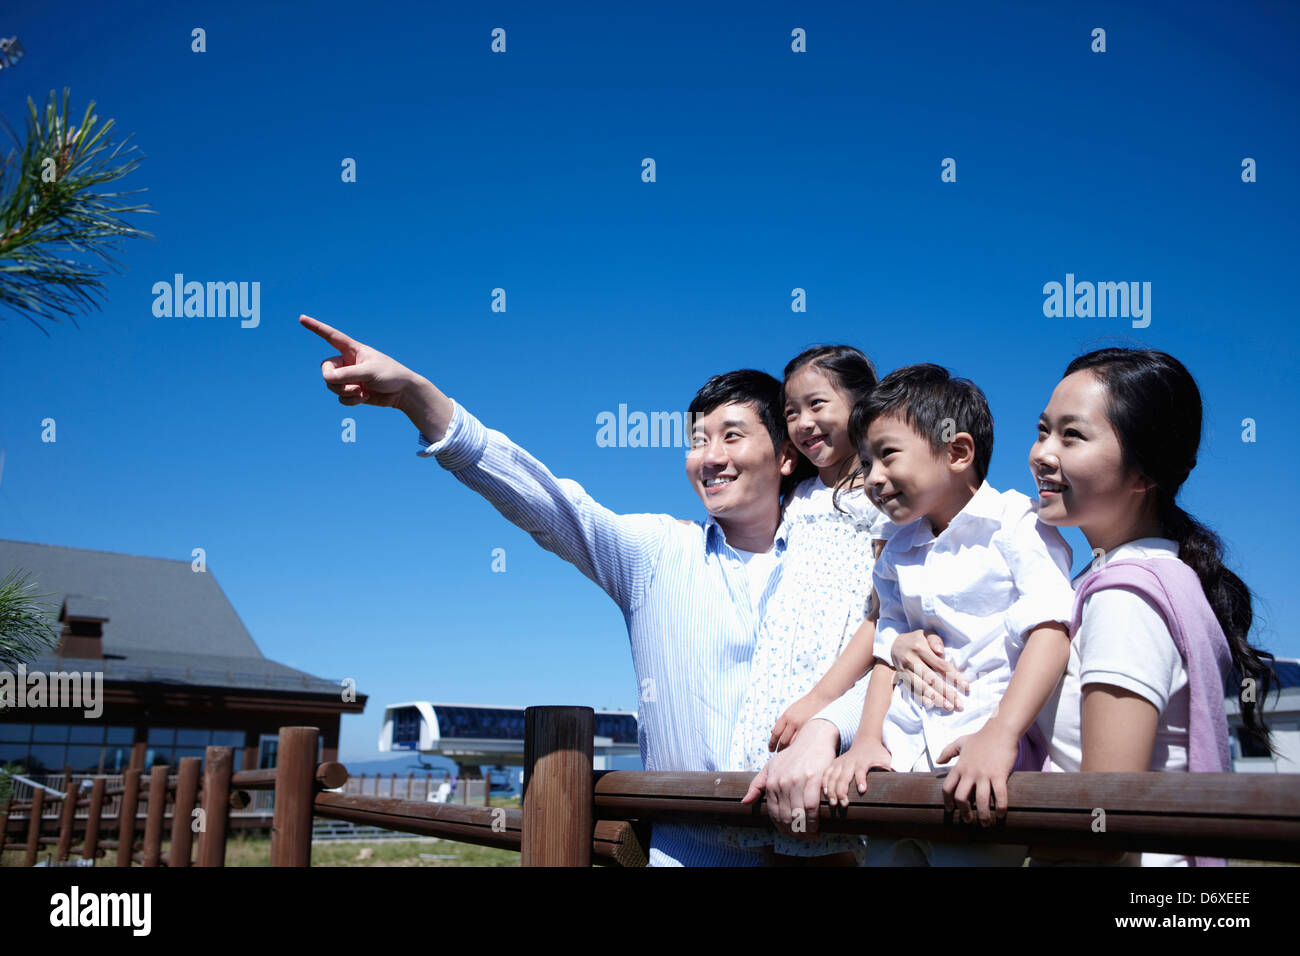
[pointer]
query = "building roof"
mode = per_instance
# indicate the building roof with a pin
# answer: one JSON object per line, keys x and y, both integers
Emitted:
{"x": 163, "y": 621}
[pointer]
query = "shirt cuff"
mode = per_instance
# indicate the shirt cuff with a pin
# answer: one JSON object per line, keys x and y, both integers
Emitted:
{"x": 845, "y": 713}
{"x": 883, "y": 647}
{"x": 461, "y": 446}
{"x": 1126, "y": 682}
{"x": 1032, "y": 610}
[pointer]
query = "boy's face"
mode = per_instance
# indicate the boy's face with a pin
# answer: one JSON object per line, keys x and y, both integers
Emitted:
{"x": 733, "y": 467}
{"x": 905, "y": 477}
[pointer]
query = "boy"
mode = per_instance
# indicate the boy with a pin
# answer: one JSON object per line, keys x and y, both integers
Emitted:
{"x": 974, "y": 566}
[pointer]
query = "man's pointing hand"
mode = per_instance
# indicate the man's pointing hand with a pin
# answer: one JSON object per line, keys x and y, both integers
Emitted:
{"x": 360, "y": 374}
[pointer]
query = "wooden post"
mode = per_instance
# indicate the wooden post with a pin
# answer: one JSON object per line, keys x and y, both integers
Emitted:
{"x": 68, "y": 813}
{"x": 126, "y": 816}
{"x": 153, "y": 824}
{"x": 295, "y": 793}
{"x": 392, "y": 791}
{"x": 90, "y": 844}
{"x": 4, "y": 821}
{"x": 220, "y": 763}
{"x": 487, "y": 788}
{"x": 410, "y": 782}
{"x": 187, "y": 787}
{"x": 428, "y": 788}
{"x": 557, "y": 822}
{"x": 34, "y": 826}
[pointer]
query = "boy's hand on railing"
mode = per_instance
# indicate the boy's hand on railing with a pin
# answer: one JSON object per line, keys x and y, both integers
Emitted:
{"x": 984, "y": 763}
{"x": 854, "y": 764}
{"x": 920, "y": 666}
{"x": 796, "y": 715}
{"x": 360, "y": 374}
{"x": 793, "y": 780}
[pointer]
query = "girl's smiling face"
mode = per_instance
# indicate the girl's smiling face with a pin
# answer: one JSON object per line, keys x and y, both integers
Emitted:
{"x": 1078, "y": 464}
{"x": 817, "y": 418}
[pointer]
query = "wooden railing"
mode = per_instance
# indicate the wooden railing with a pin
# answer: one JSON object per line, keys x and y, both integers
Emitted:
{"x": 574, "y": 816}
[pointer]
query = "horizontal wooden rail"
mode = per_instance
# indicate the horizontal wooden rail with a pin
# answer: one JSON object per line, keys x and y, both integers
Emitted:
{"x": 452, "y": 821}
{"x": 1240, "y": 815}
{"x": 614, "y": 842}
{"x": 328, "y": 775}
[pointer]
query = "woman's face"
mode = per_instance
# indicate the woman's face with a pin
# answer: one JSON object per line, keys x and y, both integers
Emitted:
{"x": 1079, "y": 465}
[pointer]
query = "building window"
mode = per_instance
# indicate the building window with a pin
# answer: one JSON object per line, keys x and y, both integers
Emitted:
{"x": 50, "y": 733}
{"x": 406, "y": 726}
{"x": 268, "y": 747}
{"x": 86, "y": 734}
{"x": 84, "y": 758}
{"x": 45, "y": 748}
{"x": 15, "y": 733}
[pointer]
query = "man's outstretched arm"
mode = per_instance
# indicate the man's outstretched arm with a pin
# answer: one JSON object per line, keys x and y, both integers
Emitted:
{"x": 618, "y": 552}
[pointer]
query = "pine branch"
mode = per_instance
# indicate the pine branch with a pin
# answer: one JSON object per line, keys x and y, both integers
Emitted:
{"x": 25, "y": 630}
{"x": 47, "y": 197}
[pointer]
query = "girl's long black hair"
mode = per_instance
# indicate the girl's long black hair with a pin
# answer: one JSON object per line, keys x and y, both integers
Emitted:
{"x": 1155, "y": 407}
{"x": 854, "y": 374}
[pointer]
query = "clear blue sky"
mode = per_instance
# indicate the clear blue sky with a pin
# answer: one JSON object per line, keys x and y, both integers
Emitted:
{"x": 522, "y": 170}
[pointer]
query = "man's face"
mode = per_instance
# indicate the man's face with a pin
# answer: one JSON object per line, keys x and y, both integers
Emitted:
{"x": 733, "y": 467}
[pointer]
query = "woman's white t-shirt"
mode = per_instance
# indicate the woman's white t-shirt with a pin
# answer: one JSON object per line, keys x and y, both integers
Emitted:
{"x": 1123, "y": 641}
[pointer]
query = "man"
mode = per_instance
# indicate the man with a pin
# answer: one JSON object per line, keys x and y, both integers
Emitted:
{"x": 692, "y": 593}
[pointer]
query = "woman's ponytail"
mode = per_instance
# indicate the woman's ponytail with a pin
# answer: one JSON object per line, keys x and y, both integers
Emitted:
{"x": 1202, "y": 550}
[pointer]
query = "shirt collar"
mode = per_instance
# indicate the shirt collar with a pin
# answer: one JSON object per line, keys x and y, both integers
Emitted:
{"x": 984, "y": 505}
{"x": 1143, "y": 548}
{"x": 1139, "y": 549}
{"x": 715, "y": 537}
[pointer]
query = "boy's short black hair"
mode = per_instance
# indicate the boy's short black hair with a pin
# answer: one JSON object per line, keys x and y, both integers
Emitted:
{"x": 746, "y": 386}
{"x": 932, "y": 402}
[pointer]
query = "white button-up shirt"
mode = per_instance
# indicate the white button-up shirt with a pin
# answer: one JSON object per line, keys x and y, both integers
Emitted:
{"x": 982, "y": 584}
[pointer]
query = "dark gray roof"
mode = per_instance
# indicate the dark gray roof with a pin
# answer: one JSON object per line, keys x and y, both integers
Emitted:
{"x": 78, "y": 605}
{"x": 165, "y": 621}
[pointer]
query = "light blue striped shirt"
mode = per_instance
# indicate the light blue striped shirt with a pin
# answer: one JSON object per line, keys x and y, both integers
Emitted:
{"x": 684, "y": 593}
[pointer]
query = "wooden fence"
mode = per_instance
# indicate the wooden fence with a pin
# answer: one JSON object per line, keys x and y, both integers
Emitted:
{"x": 574, "y": 816}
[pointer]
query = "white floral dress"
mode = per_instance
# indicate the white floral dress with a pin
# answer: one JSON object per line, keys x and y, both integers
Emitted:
{"x": 822, "y": 598}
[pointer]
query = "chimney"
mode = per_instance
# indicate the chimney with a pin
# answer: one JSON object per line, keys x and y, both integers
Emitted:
{"x": 83, "y": 627}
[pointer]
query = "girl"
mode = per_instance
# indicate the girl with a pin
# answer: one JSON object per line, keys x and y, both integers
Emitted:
{"x": 801, "y": 662}
{"x": 1158, "y": 620}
